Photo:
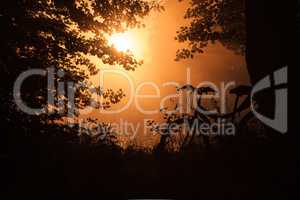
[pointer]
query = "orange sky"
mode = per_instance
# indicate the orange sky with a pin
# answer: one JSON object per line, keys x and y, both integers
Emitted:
{"x": 157, "y": 47}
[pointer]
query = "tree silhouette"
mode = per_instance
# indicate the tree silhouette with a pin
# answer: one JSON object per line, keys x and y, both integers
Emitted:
{"x": 211, "y": 21}
{"x": 63, "y": 35}
{"x": 259, "y": 28}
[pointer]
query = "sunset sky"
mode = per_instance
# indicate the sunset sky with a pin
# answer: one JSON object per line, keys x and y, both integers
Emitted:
{"x": 156, "y": 46}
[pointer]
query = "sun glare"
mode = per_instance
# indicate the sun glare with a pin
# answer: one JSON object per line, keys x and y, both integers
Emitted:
{"x": 135, "y": 41}
{"x": 122, "y": 41}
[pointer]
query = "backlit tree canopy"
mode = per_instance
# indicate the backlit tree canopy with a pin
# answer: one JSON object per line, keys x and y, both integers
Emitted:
{"x": 211, "y": 21}
{"x": 63, "y": 34}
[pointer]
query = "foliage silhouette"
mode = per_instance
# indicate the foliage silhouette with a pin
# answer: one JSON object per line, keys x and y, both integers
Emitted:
{"x": 212, "y": 21}
{"x": 258, "y": 29}
{"x": 43, "y": 34}
{"x": 62, "y": 35}
{"x": 174, "y": 135}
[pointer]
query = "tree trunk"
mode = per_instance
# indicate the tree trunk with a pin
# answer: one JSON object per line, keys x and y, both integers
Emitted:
{"x": 268, "y": 39}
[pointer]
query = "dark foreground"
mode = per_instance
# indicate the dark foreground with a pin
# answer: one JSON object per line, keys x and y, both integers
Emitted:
{"x": 240, "y": 168}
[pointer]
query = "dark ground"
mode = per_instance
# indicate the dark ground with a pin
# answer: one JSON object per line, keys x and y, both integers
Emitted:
{"x": 241, "y": 168}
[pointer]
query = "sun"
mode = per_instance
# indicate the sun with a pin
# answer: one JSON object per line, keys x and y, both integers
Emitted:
{"x": 122, "y": 41}
{"x": 133, "y": 41}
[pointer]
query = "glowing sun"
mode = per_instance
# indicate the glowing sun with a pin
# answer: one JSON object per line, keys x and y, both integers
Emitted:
{"x": 122, "y": 41}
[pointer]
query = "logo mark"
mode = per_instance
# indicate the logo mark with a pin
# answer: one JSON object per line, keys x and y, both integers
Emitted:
{"x": 280, "y": 121}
